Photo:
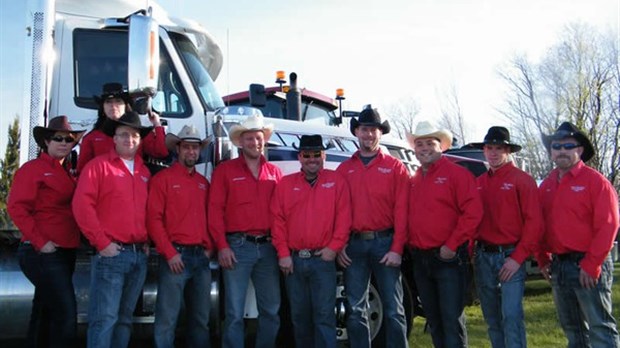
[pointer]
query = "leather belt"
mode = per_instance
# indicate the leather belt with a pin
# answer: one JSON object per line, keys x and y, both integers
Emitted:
{"x": 368, "y": 235}
{"x": 495, "y": 248}
{"x": 305, "y": 253}
{"x": 252, "y": 238}
{"x": 131, "y": 246}
{"x": 188, "y": 247}
{"x": 425, "y": 252}
{"x": 572, "y": 256}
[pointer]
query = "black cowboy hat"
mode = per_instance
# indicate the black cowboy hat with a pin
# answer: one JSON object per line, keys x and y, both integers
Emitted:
{"x": 569, "y": 130}
{"x": 112, "y": 90}
{"x": 129, "y": 119}
{"x": 370, "y": 117}
{"x": 497, "y": 136}
{"x": 56, "y": 124}
{"x": 310, "y": 143}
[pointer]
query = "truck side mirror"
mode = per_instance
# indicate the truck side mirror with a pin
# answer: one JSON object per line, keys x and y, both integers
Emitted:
{"x": 143, "y": 53}
{"x": 257, "y": 95}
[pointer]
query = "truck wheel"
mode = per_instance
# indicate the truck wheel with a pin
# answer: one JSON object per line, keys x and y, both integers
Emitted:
{"x": 378, "y": 341}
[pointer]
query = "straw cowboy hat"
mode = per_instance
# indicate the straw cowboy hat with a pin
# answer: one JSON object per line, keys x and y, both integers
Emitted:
{"x": 425, "y": 129}
{"x": 56, "y": 124}
{"x": 497, "y": 135}
{"x": 129, "y": 119}
{"x": 370, "y": 117}
{"x": 250, "y": 124}
{"x": 112, "y": 90}
{"x": 569, "y": 130}
{"x": 188, "y": 134}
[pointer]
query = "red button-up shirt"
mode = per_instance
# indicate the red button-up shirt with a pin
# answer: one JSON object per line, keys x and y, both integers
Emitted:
{"x": 177, "y": 209}
{"x": 581, "y": 215}
{"x": 445, "y": 207}
{"x": 110, "y": 203}
{"x": 238, "y": 202}
{"x": 512, "y": 212}
{"x": 97, "y": 143}
{"x": 40, "y": 203}
{"x": 378, "y": 195}
{"x": 311, "y": 217}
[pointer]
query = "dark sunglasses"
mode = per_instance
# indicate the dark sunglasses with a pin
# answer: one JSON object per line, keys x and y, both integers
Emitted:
{"x": 314, "y": 154}
{"x": 59, "y": 139}
{"x": 567, "y": 146}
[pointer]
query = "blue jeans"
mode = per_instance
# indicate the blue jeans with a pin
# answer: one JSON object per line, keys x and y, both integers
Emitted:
{"x": 365, "y": 256}
{"x": 193, "y": 285}
{"x": 584, "y": 314}
{"x": 260, "y": 263}
{"x": 53, "y": 321}
{"x": 115, "y": 286}
{"x": 441, "y": 286}
{"x": 501, "y": 302}
{"x": 311, "y": 291}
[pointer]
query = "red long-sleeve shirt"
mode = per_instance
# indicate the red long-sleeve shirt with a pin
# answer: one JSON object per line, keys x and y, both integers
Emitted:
{"x": 311, "y": 217}
{"x": 97, "y": 143}
{"x": 238, "y": 202}
{"x": 512, "y": 212}
{"x": 110, "y": 203}
{"x": 378, "y": 195}
{"x": 445, "y": 207}
{"x": 581, "y": 215}
{"x": 177, "y": 210}
{"x": 40, "y": 203}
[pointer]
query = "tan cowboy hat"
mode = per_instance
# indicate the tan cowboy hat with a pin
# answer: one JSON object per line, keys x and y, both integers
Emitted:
{"x": 425, "y": 129}
{"x": 188, "y": 134}
{"x": 252, "y": 123}
{"x": 56, "y": 124}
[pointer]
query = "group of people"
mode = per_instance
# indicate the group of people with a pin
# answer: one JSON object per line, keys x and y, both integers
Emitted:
{"x": 263, "y": 225}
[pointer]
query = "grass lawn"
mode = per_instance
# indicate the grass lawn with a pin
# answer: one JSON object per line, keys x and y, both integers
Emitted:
{"x": 542, "y": 328}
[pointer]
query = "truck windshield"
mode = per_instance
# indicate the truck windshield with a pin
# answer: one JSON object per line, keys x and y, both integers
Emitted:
{"x": 197, "y": 72}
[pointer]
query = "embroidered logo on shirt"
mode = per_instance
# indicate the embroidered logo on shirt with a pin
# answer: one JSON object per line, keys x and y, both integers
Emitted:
{"x": 48, "y": 174}
{"x": 441, "y": 180}
{"x": 350, "y": 171}
{"x": 271, "y": 177}
{"x": 176, "y": 186}
{"x": 239, "y": 178}
{"x": 328, "y": 184}
{"x": 144, "y": 178}
{"x": 296, "y": 189}
{"x": 384, "y": 170}
{"x": 577, "y": 188}
{"x": 201, "y": 186}
{"x": 507, "y": 186}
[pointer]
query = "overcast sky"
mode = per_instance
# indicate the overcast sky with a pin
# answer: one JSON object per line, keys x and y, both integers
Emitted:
{"x": 380, "y": 52}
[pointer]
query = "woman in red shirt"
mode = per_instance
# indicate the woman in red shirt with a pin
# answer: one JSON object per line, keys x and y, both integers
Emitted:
{"x": 40, "y": 205}
{"x": 113, "y": 103}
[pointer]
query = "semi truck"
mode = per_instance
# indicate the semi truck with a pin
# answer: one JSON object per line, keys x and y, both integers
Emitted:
{"x": 170, "y": 64}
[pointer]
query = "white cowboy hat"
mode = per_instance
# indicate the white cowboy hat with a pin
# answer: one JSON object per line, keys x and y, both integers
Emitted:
{"x": 425, "y": 129}
{"x": 189, "y": 134}
{"x": 252, "y": 123}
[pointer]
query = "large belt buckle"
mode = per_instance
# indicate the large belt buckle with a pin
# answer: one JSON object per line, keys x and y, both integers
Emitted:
{"x": 305, "y": 254}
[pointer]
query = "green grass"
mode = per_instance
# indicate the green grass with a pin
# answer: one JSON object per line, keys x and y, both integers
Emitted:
{"x": 542, "y": 327}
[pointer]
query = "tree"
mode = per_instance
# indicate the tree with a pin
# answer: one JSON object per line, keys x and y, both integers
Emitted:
{"x": 578, "y": 81}
{"x": 452, "y": 116}
{"x": 402, "y": 116}
{"x": 8, "y": 166}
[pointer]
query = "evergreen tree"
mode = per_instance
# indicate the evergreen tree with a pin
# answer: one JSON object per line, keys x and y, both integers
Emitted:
{"x": 8, "y": 166}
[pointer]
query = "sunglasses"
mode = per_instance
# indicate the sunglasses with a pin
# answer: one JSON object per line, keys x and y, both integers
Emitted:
{"x": 59, "y": 139}
{"x": 567, "y": 146}
{"x": 315, "y": 154}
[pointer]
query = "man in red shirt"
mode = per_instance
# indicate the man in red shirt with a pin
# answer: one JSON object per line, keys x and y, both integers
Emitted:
{"x": 177, "y": 223}
{"x": 239, "y": 223}
{"x": 510, "y": 231}
{"x": 444, "y": 211}
{"x": 378, "y": 184}
{"x": 110, "y": 208}
{"x": 580, "y": 210}
{"x": 312, "y": 218}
